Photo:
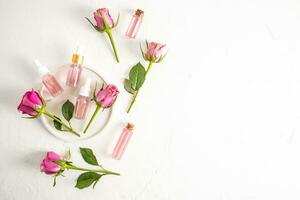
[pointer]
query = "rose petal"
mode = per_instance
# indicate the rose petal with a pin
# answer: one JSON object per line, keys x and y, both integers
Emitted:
{"x": 49, "y": 167}
{"x": 52, "y": 156}
{"x": 27, "y": 110}
{"x": 101, "y": 95}
{"x": 107, "y": 102}
{"x": 99, "y": 21}
{"x": 150, "y": 50}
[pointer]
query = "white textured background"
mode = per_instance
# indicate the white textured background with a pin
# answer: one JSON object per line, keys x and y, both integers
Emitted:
{"x": 218, "y": 119}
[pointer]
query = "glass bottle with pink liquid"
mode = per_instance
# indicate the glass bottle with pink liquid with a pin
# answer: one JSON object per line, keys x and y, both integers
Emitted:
{"x": 74, "y": 73}
{"x": 123, "y": 141}
{"x": 135, "y": 23}
{"x": 83, "y": 100}
{"x": 49, "y": 81}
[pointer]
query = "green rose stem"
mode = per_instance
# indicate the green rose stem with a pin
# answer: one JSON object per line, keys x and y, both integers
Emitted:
{"x": 136, "y": 92}
{"x": 91, "y": 120}
{"x": 59, "y": 121}
{"x": 90, "y": 170}
{"x": 107, "y": 30}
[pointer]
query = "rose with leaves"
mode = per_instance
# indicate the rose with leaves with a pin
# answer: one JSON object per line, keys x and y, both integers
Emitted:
{"x": 33, "y": 104}
{"x": 154, "y": 53}
{"x": 105, "y": 98}
{"x": 55, "y": 164}
{"x": 105, "y": 23}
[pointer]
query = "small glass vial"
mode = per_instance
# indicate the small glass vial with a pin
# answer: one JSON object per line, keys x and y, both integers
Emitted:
{"x": 49, "y": 81}
{"x": 135, "y": 23}
{"x": 74, "y": 73}
{"x": 83, "y": 100}
{"x": 123, "y": 141}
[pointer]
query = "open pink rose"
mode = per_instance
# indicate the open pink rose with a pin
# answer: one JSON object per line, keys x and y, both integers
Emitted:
{"x": 103, "y": 14}
{"x": 107, "y": 95}
{"x": 48, "y": 164}
{"x": 154, "y": 51}
{"x": 30, "y": 101}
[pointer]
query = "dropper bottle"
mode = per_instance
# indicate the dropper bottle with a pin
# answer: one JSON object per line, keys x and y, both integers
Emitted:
{"x": 49, "y": 81}
{"x": 74, "y": 73}
{"x": 83, "y": 100}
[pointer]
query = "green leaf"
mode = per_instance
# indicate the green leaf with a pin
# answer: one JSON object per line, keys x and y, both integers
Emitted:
{"x": 127, "y": 86}
{"x": 88, "y": 156}
{"x": 137, "y": 76}
{"x": 67, "y": 110}
{"x": 86, "y": 179}
{"x": 56, "y": 124}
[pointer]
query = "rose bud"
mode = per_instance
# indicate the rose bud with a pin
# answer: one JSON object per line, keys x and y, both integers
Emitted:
{"x": 48, "y": 165}
{"x": 31, "y": 101}
{"x": 154, "y": 52}
{"x": 105, "y": 23}
{"x": 34, "y": 105}
{"x": 107, "y": 96}
{"x": 104, "y": 99}
{"x": 101, "y": 15}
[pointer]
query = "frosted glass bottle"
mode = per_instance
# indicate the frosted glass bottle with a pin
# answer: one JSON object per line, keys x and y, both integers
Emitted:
{"x": 49, "y": 81}
{"x": 123, "y": 142}
{"x": 135, "y": 23}
{"x": 83, "y": 100}
{"x": 75, "y": 70}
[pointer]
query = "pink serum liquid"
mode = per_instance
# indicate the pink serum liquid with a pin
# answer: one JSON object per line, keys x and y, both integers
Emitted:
{"x": 135, "y": 23}
{"x": 52, "y": 85}
{"x": 83, "y": 100}
{"x": 82, "y": 104}
{"x": 123, "y": 142}
{"x": 74, "y": 75}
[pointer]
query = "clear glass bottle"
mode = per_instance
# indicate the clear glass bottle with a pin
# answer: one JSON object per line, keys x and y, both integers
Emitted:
{"x": 123, "y": 141}
{"x": 135, "y": 23}
{"x": 49, "y": 81}
{"x": 83, "y": 100}
{"x": 74, "y": 73}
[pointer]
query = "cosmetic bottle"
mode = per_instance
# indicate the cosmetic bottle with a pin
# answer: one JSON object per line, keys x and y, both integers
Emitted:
{"x": 83, "y": 100}
{"x": 74, "y": 73}
{"x": 135, "y": 23}
{"x": 123, "y": 141}
{"x": 49, "y": 81}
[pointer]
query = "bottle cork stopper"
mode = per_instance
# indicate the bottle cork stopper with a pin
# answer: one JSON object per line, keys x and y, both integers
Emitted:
{"x": 130, "y": 126}
{"x": 139, "y": 12}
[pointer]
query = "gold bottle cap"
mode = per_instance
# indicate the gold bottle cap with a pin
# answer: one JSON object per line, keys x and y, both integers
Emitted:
{"x": 139, "y": 12}
{"x": 130, "y": 126}
{"x": 77, "y": 59}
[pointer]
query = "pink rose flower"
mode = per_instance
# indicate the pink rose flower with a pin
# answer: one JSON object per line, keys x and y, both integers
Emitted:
{"x": 30, "y": 101}
{"x": 107, "y": 95}
{"x": 101, "y": 15}
{"x": 104, "y": 99}
{"x": 104, "y": 23}
{"x": 48, "y": 164}
{"x": 154, "y": 51}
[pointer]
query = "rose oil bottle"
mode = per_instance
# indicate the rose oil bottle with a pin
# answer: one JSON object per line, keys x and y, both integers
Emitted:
{"x": 83, "y": 100}
{"x": 49, "y": 81}
{"x": 123, "y": 141}
{"x": 135, "y": 23}
{"x": 74, "y": 73}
